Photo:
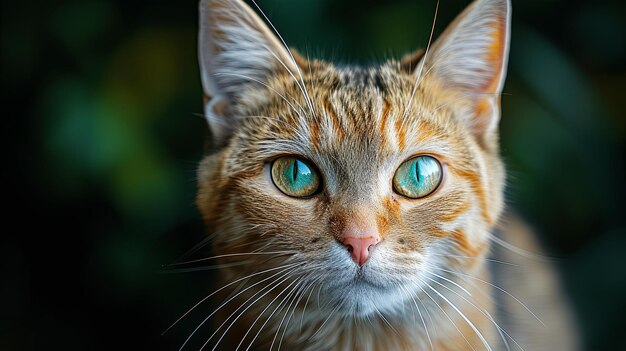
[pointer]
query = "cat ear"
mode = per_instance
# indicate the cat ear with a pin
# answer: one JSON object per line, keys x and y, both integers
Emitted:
{"x": 471, "y": 57}
{"x": 235, "y": 48}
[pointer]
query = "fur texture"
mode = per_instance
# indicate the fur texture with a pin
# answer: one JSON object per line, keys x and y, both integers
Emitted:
{"x": 293, "y": 285}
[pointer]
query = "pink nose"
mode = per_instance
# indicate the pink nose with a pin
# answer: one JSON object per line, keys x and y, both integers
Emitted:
{"x": 359, "y": 248}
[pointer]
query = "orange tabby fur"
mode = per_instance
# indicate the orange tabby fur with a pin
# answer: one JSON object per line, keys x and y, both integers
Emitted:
{"x": 356, "y": 125}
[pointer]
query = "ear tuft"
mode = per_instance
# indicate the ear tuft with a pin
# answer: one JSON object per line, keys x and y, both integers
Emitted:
{"x": 235, "y": 48}
{"x": 471, "y": 57}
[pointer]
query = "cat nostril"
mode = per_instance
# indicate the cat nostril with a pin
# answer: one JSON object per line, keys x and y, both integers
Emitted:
{"x": 360, "y": 248}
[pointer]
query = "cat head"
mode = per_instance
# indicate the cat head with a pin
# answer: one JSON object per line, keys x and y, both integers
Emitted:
{"x": 362, "y": 182}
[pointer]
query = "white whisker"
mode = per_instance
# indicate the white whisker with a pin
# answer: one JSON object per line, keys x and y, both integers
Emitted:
{"x": 281, "y": 271}
{"x": 307, "y": 303}
{"x": 265, "y": 85}
{"x": 270, "y": 316}
{"x": 325, "y": 321}
{"x": 451, "y": 282}
{"x": 224, "y": 287}
{"x": 422, "y": 64}
{"x": 496, "y": 287}
{"x": 447, "y": 316}
{"x": 299, "y": 295}
{"x": 478, "y": 333}
{"x": 486, "y": 314}
{"x": 230, "y": 255}
{"x": 293, "y": 299}
{"x": 518, "y": 250}
{"x": 269, "y": 288}
{"x": 293, "y": 60}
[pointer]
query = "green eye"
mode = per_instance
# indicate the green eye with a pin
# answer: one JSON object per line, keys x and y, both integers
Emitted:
{"x": 418, "y": 177}
{"x": 295, "y": 177}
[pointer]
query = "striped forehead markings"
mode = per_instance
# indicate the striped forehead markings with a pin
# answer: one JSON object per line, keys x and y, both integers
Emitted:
{"x": 357, "y": 103}
{"x": 384, "y": 116}
{"x": 336, "y": 122}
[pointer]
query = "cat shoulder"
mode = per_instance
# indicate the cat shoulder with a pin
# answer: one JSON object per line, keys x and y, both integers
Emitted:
{"x": 530, "y": 297}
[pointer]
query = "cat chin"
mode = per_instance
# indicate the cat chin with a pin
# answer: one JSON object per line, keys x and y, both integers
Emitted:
{"x": 372, "y": 289}
{"x": 363, "y": 300}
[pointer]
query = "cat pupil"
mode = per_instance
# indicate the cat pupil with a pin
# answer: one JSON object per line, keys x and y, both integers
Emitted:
{"x": 417, "y": 172}
{"x": 295, "y": 170}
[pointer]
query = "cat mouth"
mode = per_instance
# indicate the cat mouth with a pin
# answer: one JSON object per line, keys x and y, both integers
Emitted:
{"x": 360, "y": 297}
{"x": 364, "y": 278}
{"x": 361, "y": 283}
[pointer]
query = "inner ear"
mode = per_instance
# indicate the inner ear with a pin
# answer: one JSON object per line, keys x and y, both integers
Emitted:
{"x": 470, "y": 59}
{"x": 471, "y": 54}
{"x": 237, "y": 49}
{"x": 234, "y": 46}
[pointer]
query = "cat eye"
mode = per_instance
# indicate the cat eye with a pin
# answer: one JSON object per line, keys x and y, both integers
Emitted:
{"x": 418, "y": 177}
{"x": 295, "y": 177}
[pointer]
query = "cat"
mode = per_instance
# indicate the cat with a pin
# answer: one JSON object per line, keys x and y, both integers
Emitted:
{"x": 362, "y": 208}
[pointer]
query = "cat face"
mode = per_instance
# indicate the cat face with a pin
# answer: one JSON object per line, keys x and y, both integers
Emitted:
{"x": 358, "y": 184}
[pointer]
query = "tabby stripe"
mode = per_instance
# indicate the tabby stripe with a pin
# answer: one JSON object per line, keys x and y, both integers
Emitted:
{"x": 382, "y": 224}
{"x": 314, "y": 131}
{"x": 426, "y": 131}
{"x": 451, "y": 216}
{"x": 400, "y": 133}
{"x": 335, "y": 118}
{"x": 383, "y": 121}
{"x": 474, "y": 181}
{"x": 464, "y": 245}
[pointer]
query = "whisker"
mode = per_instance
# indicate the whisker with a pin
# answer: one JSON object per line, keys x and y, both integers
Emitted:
{"x": 423, "y": 321}
{"x": 451, "y": 282}
{"x": 293, "y": 60}
{"x": 406, "y": 291}
{"x": 230, "y": 255}
{"x": 298, "y": 84}
{"x": 447, "y": 316}
{"x": 385, "y": 319}
{"x": 281, "y": 269}
{"x": 302, "y": 135}
{"x": 268, "y": 318}
{"x": 325, "y": 321}
{"x": 430, "y": 318}
{"x": 265, "y": 85}
{"x": 307, "y": 303}
{"x": 518, "y": 250}
{"x": 486, "y": 314}
{"x": 301, "y": 295}
{"x": 197, "y": 247}
{"x": 474, "y": 258}
{"x": 283, "y": 279}
{"x": 496, "y": 287}
{"x": 297, "y": 295}
{"x": 478, "y": 333}
{"x": 422, "y": 64}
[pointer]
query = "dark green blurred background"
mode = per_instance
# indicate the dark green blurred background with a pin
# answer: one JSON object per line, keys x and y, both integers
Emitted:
{"x": 101, "y": 103}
